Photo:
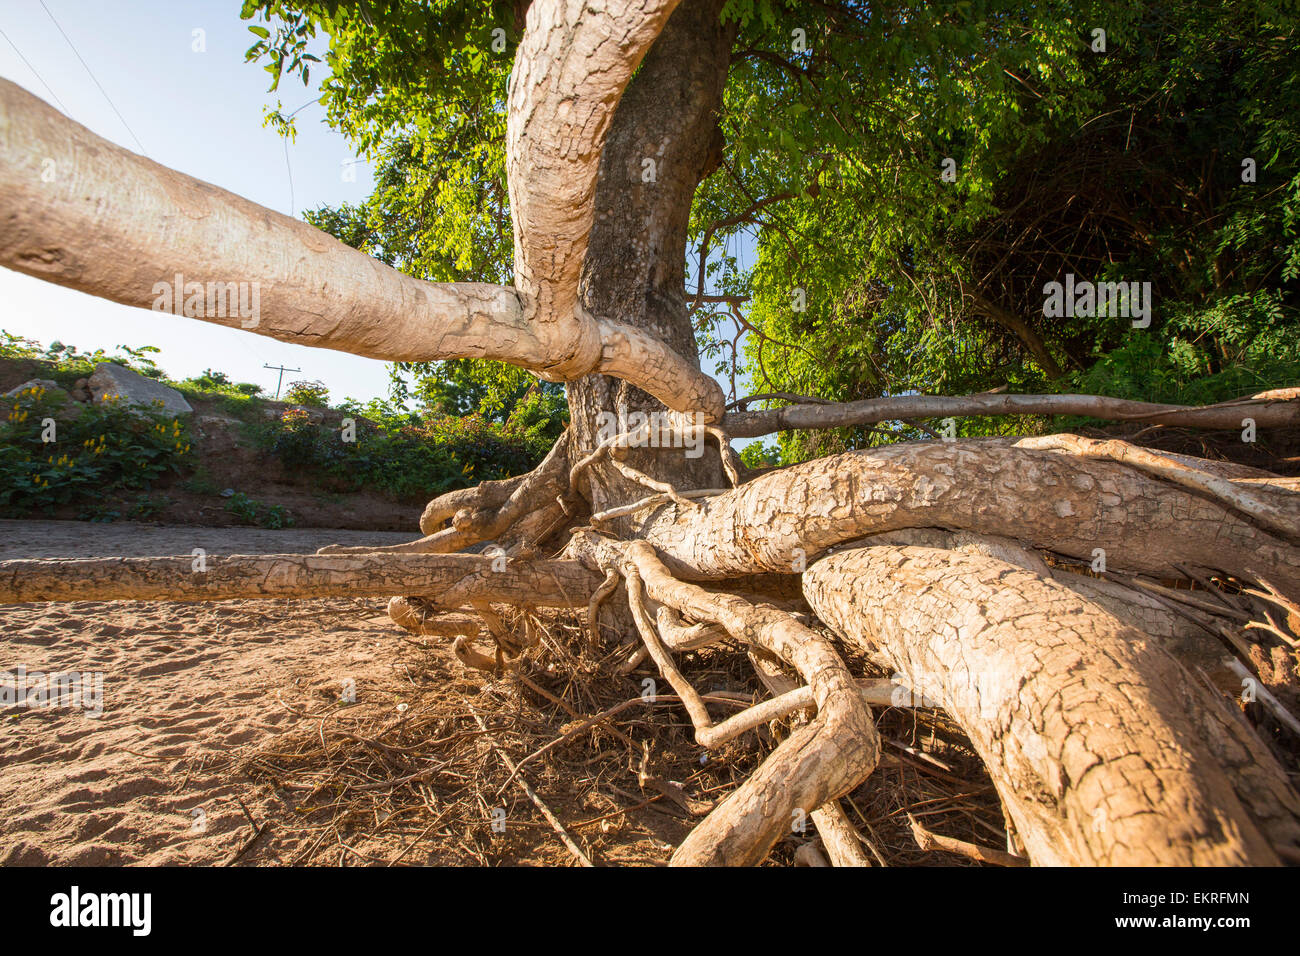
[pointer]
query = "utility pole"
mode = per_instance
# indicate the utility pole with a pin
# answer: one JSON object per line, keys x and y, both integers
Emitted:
{"x": 279, "y": 381}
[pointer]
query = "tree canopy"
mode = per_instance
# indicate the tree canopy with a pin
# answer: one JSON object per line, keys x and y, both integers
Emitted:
{"x": 899, "y": 181}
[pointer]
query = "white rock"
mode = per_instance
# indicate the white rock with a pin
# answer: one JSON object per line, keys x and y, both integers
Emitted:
{"x": 109, "y": 381}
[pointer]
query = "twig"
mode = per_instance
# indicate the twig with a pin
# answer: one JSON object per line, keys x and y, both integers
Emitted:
{"x": 933, "y": 841}
{"x": 247, "y": 846}
{"x": 532, "y": 795}
{"x": 1283, "y": 715}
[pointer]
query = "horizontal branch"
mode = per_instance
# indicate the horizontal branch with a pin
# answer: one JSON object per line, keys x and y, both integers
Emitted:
{"x": 84, "y": 213}
{"x": 1268, "y": 410}
{"x": 81, "y": 212}
{"x": 451, "y": 578}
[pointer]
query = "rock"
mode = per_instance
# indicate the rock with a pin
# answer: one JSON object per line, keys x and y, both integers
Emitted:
{"x": 109, "y": 381}
{"x": 206, "y": 422}
{"x": 81, "y": 390}
{"x": 53, "y": 396}
{"x": 48, "y": 384}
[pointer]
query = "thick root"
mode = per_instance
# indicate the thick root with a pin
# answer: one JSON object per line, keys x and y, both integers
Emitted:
{"x": 818, "y": 762}
{"x": 1103, "y": 749}
{"x": 1068, "y": 504}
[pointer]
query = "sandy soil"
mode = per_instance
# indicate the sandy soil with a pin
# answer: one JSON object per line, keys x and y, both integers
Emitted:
{"x": 185, "y": 687}
{"x": 223, "y": 738}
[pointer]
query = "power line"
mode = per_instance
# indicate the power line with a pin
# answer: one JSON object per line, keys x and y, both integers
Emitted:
{"x": 40, "y": 78}
{"x": 93, "y": 80}
{"x": 289, "y": 170}
{"x": 287, "y": 166}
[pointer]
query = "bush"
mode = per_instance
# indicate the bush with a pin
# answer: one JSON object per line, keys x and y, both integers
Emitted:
{"x": 250, "y": 511}
{"x": 314, "y": 394}
{"x": 402, "y": 454}
{"x": 396, "y": 461}
{"x": 219, "y": 382}
{"x": 106, "y": 448}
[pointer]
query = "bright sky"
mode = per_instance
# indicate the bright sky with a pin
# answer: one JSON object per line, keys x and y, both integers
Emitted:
{"x": 187, "y": 100}
{"x": 196, "y": 106}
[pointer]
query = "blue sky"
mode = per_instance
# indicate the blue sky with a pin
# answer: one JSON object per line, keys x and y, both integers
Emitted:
{"x": 198, "y": 111}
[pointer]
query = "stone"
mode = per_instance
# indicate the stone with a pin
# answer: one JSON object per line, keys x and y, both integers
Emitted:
{"x": 109, "y": 381}
{"x": 52, "y": 396}
{"x": 45, "y": 383}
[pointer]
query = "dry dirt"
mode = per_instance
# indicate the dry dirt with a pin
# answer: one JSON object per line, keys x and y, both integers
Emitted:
{"x": 224, "y": 736}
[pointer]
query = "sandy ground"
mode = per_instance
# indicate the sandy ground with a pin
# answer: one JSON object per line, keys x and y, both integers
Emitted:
{"x": 206, "y": 751}
{"x": 185, "y": 687}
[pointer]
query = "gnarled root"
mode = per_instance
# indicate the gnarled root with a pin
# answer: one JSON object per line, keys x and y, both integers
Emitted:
{"x": 421, "y": 617}
{"x": 1068, "y": 504}
{"x": 1103, "y": 749}
{"x": 817, "y": 763}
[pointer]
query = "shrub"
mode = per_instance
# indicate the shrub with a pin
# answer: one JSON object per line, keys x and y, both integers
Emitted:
{"x": 251, "y": 511}
{"x": 106, "y": 448}
{"x": 314, "y": 394}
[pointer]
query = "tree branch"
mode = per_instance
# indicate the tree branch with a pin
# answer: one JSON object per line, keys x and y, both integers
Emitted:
{"x": 1274, "y": 409}
{"x": 451, "y": 578}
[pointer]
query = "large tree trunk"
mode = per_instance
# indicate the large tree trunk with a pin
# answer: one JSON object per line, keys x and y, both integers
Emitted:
{"x": 663, "y": 141}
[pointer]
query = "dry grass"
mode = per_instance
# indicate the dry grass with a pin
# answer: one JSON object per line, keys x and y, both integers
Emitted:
{"x": 372, "y": 784}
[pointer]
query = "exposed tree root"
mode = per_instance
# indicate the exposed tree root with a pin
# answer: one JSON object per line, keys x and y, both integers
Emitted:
{"x": 933, "y": 841}
{"x": 1103, "y": 749}
{"x": 1275, "y": 508}
{"x": 1193, "y": 640}
{"x": 816, "y": 763}
{"x": 451, "y": 580}
{"x": 483, "y": 512}
{"x": 1061, "y": 503}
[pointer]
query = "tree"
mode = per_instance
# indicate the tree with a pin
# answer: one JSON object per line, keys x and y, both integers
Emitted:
{"x": 1103, "y": 748}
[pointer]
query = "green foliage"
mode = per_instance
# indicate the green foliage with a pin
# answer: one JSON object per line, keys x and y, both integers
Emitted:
{"x": 396, "y": 463}
{"x": 873, "y": 273}
{"x": 219, "y": 382}
{"x": 420, "y": 88}
{"x": 314, "y": 394}
{"x": 403, "y": 454}
{"x": 251, "y": 511}
{"x": 760, "y": 455}
{"x": 104, "y": 449}
{"x": 1122, "y": 164}
{"x": 494, "y": 391}
{"x": 69, "y": 364}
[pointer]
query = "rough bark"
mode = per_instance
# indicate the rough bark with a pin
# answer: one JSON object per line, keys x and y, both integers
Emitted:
{"x": 1275, "y": 409}
{"x": 1192, "y": 644}
{"x": 450, "y": 580}
{"x": 1061, "y": 503}
{"x": 635, "y": 262}
{"x": 1103, "y": 749}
